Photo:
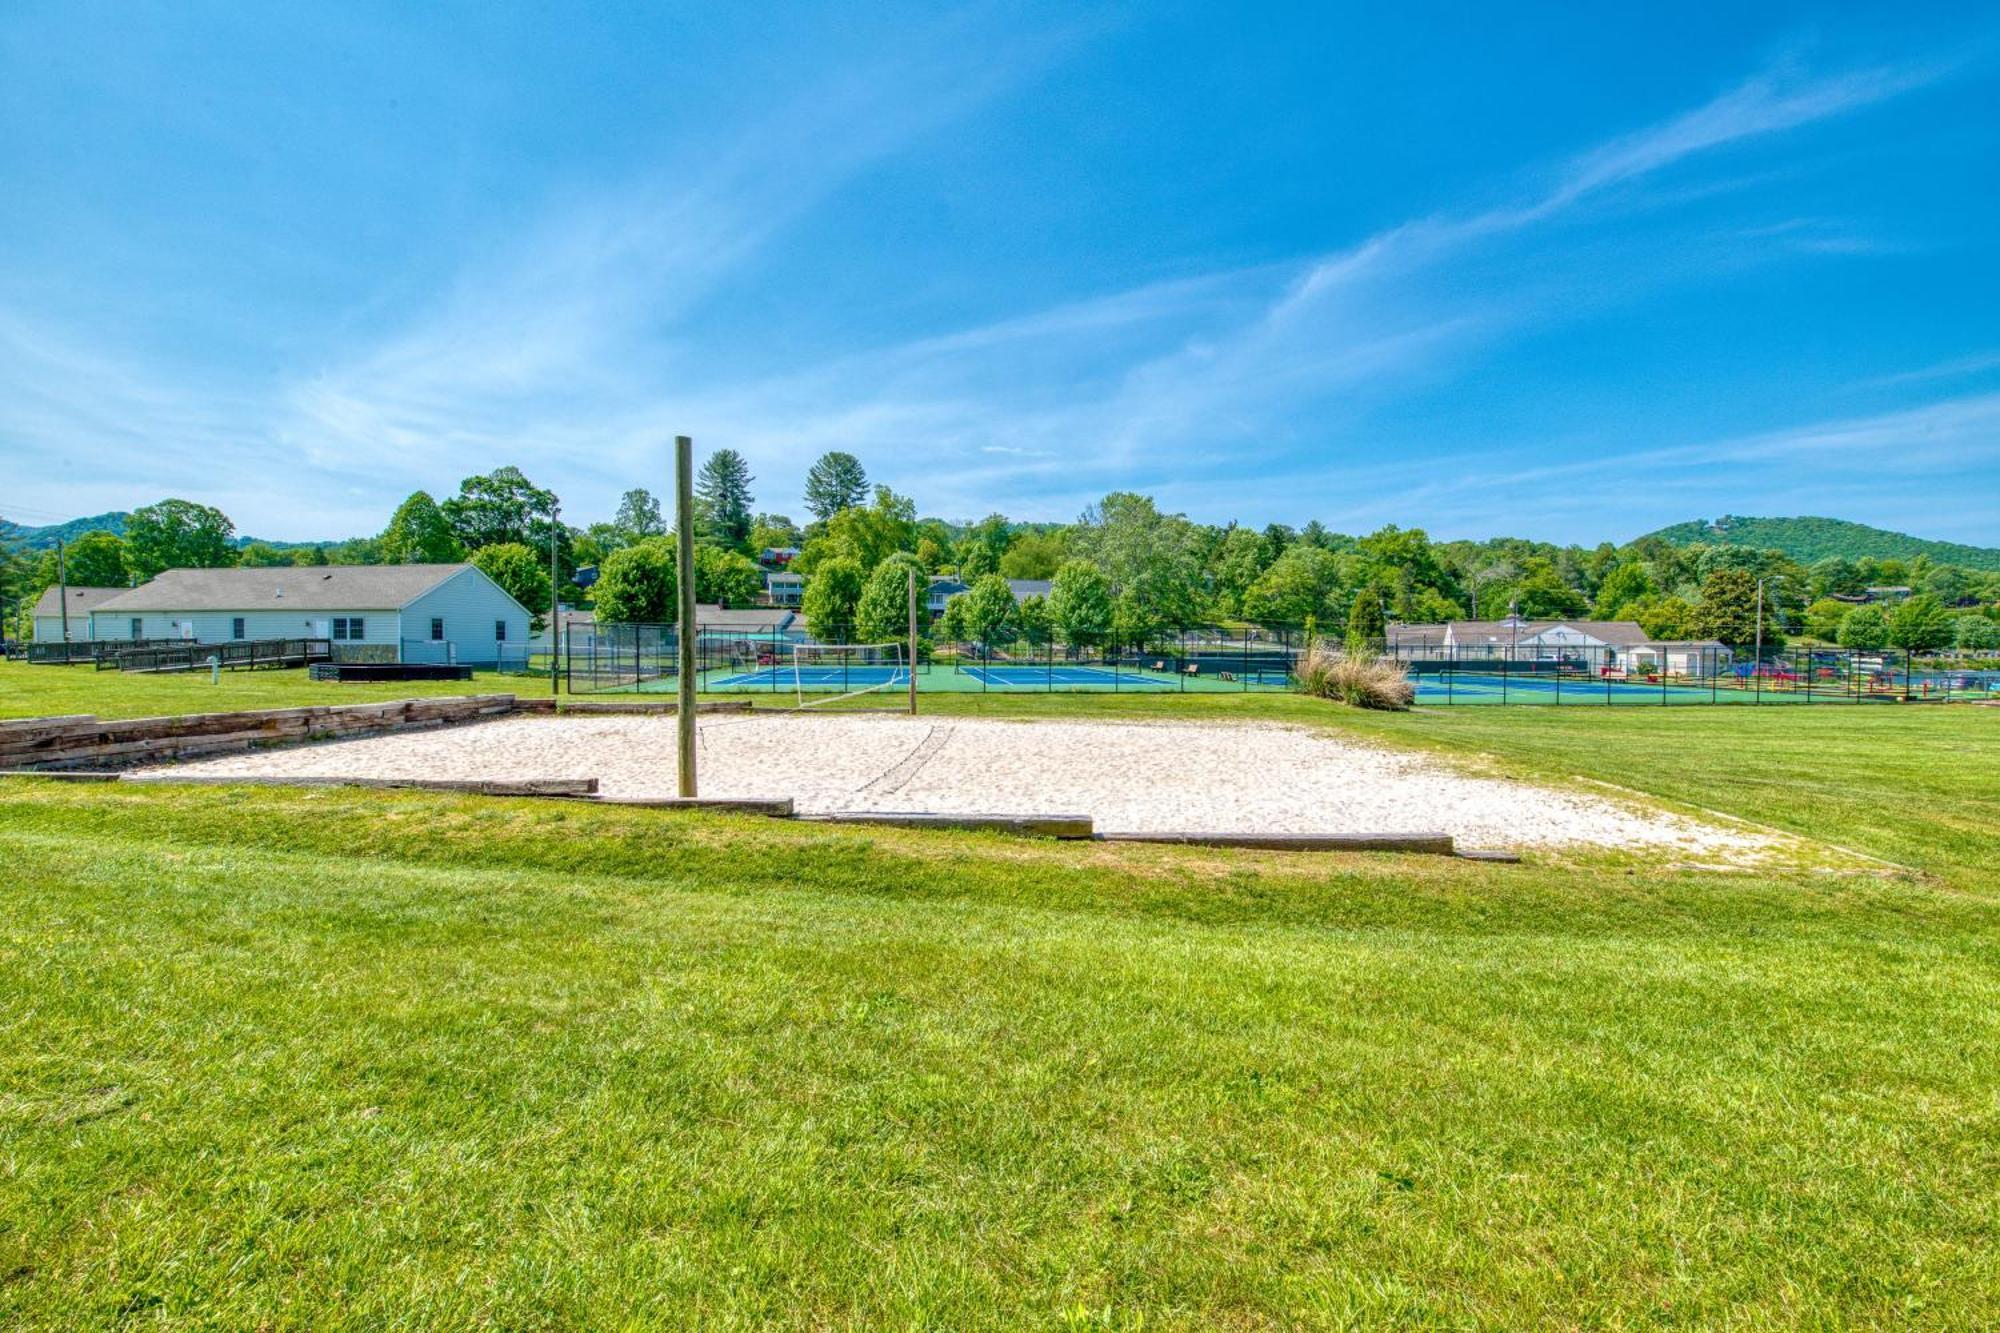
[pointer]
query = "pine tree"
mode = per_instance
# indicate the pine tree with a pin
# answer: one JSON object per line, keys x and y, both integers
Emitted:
{"x": 724, "y": 488}
{"x": 836, "y": 482}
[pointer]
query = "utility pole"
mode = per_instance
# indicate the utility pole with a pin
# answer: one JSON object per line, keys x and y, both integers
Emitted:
{"x": 555, "y": 602}
{"x": 684, "y": 585}
{"x": 1757, "y": 663}
{"x": 912, "y": 663}
{"x": 62, "y": 588}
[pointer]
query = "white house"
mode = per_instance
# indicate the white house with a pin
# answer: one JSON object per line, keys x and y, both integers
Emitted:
{"x": 378, "y": 613}
{"x": 50, "y": 618}
{"x": 1614, "y": 645}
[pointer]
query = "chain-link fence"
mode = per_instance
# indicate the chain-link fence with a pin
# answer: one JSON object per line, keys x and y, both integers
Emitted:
{"x": 643, "y": 658}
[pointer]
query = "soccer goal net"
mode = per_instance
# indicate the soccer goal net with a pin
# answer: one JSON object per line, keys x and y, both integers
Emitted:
{"x": 829, "y": 672}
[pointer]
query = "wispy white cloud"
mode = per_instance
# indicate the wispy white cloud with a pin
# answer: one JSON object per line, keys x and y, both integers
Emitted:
{"x": 575, "y": 344}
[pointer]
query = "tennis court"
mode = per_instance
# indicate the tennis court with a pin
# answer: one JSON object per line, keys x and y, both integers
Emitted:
{"x": 1464, "y": 687}
{"x": 1029, "y": 676}
{"x": 822, "y": 678}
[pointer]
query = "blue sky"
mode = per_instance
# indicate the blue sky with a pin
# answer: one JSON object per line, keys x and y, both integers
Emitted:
{"x": 1569, "y": 272}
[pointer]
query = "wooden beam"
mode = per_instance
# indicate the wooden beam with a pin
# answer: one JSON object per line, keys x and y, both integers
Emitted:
{"x": 557, "y": 787}
{"x": 776, "y": 807}
{"x": 1069, "y": 827}
{"x": 1433, "y": 844}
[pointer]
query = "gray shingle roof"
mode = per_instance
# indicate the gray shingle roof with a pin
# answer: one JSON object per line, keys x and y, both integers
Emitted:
{"x": 82, "y": 601}
{"x": 297, "y": 588}
{"x": 1480, "y": 633}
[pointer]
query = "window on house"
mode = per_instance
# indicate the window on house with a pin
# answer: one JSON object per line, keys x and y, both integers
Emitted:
{"x": 499, "y": 631}
{"x": 437, "y": 629}
{"x": 138, "y": 628}
{"x": 236, "y": 627}
{"x": 340, "y": 627}
{"x": 352, "y": 628}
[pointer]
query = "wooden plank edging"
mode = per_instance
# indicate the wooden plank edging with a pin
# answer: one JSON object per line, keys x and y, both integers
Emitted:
{"x": 775, "y": 807}
{"x": 1067, "y": 827}
{"x": 1432, "y": 844}
{"x": 551, "y": 787}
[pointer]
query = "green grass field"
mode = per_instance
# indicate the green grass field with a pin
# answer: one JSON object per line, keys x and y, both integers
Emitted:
{"x": 364, "y": 1059}
{"x": 40, "y": 691}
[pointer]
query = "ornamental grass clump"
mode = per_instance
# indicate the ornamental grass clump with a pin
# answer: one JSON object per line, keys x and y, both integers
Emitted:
{"x": 1355, "y": 676}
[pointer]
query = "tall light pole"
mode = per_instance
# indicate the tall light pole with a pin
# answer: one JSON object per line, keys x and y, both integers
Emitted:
{"x": 684, "y": 581}
{"x": 62, "y": 588}
{"x": 555, "y": 602}
{"x": 1758, "y": 665}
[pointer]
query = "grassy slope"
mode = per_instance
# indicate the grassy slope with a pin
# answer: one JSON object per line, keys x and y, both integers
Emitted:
{"x": 360, "y": 1058}
{"x": 36, "y": 691}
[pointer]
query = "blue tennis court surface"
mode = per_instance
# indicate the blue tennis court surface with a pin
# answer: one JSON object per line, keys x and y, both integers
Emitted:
{"x": 1020, "y": 676}
{"x": 813, "y": 678}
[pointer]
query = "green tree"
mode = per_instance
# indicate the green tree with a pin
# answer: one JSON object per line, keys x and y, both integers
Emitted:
{"x": 882, "y": 615}
{"x": 638, "y": 584}
{"x": 1865, "y": 627}
{"x": 831, "y": 596}
{"x": 97, "y": 560}
{"x": 1823, "y": 619}
{"x": 1728, "y": 610}
{"x": 520, "y": 571}
{"x": 989, "y": 609}
{"x": 419, "y": 535}
{"x": 835, "y": 482}
{"x": 1920, "y": 624}
{"x": 726, "y": 578}
{"x": 951, "y": 624}
{"x": 263, "y": 555}
{"x": 1543, "y": 593}
{"x": 1976, "y": 634}
{"x": 772, "y": 532}
{"x": 1366, "y": 623}
{"x": 178, "y": 534}
{"x": 976, "y": 561}
{"x": 1151, "y": 557}
{"x": 864, "y": 535}
{"x": 1080, "y": 603}
{"x": 638, "y": 516}
{"x": 1240, "y": 559}
{"x": 499, "y": 507}
{"x": 1303, "y": 583}
{"x": 1033, "y": 555}
{"x": 1035, "y": 621}
{"x": 1132, "y": 620}
{"x": 1666, "y": 618}
{"x": 724, "y": 488}
{"x": 1624, "y": 585}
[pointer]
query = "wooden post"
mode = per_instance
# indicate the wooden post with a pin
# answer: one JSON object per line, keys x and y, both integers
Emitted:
{"x": 912, "y": 663}
{"x": 62, "y": 593}
{"x": 555, "y": 605}
{"x": 684, "y": 581}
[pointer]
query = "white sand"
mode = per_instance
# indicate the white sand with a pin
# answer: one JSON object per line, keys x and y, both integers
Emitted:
{"x": 1130, "y": 777}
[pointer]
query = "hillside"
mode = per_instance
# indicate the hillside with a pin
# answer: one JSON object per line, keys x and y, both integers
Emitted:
{"x": 1810, "y": 539}
{"x": 45, "y": 538}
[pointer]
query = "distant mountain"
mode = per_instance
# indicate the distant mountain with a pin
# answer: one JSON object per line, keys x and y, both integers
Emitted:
{"x": 1810, "y": 539}
{"x": 45, "y": 538}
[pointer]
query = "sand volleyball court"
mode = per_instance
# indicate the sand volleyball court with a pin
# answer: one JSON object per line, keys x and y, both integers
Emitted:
{"x": 1129, "y": 776}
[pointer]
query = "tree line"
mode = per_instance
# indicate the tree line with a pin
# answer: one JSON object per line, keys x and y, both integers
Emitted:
{"x": 1122, "y": 571}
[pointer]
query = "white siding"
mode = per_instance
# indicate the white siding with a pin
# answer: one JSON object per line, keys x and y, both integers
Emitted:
{"x": 379, "y": 626}
{"x": 49, "y": 629}
{"x": 469, "y": 604}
